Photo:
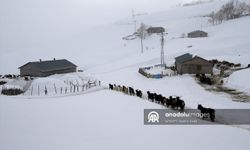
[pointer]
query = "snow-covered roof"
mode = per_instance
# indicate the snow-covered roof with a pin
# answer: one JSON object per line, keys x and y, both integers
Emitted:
{"x": 183, "y": 58}
{"x": 197, "y": 31}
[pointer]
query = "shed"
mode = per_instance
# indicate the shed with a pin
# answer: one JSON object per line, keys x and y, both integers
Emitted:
{"x": 197, "y": 33}
{"x": 46, "y": 68}
{"x": 193, "y": 65}
{"x": 155, "y": 30}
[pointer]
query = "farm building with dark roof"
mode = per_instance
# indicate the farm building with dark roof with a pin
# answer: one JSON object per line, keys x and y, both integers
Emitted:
{"x": 155, "y": 30}
{"x": 193, "y": 65}
{"x": 46, "y": 68}
{"x": 197, "y": 33}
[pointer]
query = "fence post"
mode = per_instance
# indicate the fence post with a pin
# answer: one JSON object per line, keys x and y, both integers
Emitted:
{"x": 77, "y": 82}
{"x": 45, "y": 91}
{"x": 55, "y": 88}
{"x": 38, "y": 90}
{"x": 31, "y": 90}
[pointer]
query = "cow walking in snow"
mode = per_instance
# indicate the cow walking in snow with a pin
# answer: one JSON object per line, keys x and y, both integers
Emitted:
{"x": 124, "y": 89}
{"x": 150, "y": 96}
{"x": 111, "y": 87}
{"x": 178, "y": 103}
{"x": 131, "y": 91}
{"x": 158, "y": 98}
{"x": 207, "y": 112}
{"x": 138, "y": 93}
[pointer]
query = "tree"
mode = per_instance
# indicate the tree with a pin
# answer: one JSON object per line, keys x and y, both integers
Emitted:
{"x": 230, "y": 10}
{"x": 212, "y": 18}
{"x": 142, "y": 31}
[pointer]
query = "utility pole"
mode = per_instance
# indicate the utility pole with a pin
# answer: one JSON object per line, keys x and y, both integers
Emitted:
{"x": 162, "y": 49}
{"x": 161, "y": 31}
{"x": 142, "y": 36}
{"x": 133, "y": 17}
{"x": 135, "y": 25}
{"x": 135, "y": 28}
{"x": 136, "y": 14}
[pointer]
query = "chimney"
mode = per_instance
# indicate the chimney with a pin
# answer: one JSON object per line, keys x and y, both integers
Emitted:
{"x": 54, "y": 59}
{"x": 40, "y": 60}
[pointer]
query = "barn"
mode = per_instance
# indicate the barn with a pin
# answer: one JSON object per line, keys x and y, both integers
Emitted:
{"x": 192, "y": 65}
{"x": 197, "y": 33}
{"x": 46, "y": 68}
{"x": 155, "y": 30}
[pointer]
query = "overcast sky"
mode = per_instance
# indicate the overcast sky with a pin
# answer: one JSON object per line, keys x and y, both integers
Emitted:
{"x": 37, "y": 18}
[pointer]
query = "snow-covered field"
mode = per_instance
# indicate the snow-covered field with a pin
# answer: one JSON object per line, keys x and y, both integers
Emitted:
{"x": 92, "y": 122}
{"x": 240, "y": 80}
{"x": 106, "y": 119}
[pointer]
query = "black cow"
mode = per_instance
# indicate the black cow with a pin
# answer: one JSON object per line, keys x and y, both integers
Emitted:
{"x": 175, "y": 103}
{"x": 2, "y": 82}
{"x": 178, "y": 103}
{"x": 225, "y": 62}
{"x": 138, "y": 93}
{"x": 165, "y": 101}
{"x": 205, "y": 111}
{"x": 131, "y": 91}
{"x": 156, "y": 98}
{"x": 26, "y": 78}
{"x": 111, "y": 87}
{"x": 169, "y": 101}
{"x": 9, "y": 76}
{"x": 204, "y": 79}
{"x": 162, "y": 98}
{"x": 159, "y": 98}
{"x": 237, "y": 65}
{"x": 150, "y": 96}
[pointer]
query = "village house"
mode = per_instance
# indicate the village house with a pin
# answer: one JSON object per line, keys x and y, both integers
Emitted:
{"x": 46, "y": 68}
{"x": 197, "y": 33}
{"x": 155, "y": 30}
{"x": 192, "y": 65}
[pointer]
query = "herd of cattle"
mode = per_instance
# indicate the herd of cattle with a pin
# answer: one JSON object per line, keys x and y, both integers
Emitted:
{"x": 204, "y": 79}
{"x": 12, "y": 91}
{"x": 173, "y": 101}
{"x": 224, "y": 64}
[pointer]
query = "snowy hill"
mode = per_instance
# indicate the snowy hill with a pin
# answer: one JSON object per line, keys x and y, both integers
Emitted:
{"x": 110, "y": 120}
{"x": 240, "y": 80}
